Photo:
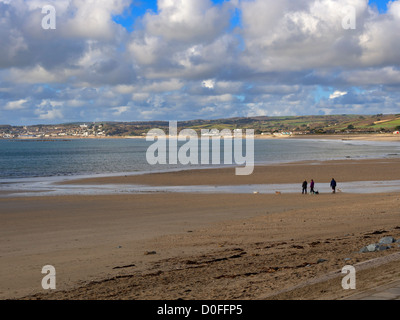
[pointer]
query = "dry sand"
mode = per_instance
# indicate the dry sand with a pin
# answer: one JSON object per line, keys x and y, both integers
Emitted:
{"x": 352, "y": 136}
{"x": 202, "y": 246}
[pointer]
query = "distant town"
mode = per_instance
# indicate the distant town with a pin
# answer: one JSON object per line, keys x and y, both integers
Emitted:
{"x": 291, "y": 125}
{"x": 51, "y": 131}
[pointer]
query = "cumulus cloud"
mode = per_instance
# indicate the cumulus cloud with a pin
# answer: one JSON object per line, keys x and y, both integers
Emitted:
{"x": 209, "y": 84}
{"x": 188, "y": 21}
{"x": 49, "y": 110}
{"x": 119, "y": 110}
{"x": 15, "y": 105}
{"x": 337, "y": 94}
{"x": 188, "y": 59}
{"x": 304, "y": 35}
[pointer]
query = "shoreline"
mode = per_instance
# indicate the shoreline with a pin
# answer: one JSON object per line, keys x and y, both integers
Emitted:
{"x": 117, "y": 177}
{"x": 354, "y": 187}
{"x": 353, "y": 176}
{"x": 344, "y": 136}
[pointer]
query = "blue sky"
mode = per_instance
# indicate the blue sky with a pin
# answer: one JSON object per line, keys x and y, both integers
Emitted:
{"x": 124, "y": 60}
{"x": 380, "y": 4}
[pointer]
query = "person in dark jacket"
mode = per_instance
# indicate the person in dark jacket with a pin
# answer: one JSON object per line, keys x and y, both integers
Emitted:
{"x": 333, "y": 185}
{"x": 312, "y": 187}
{"x": 304, "y": 185}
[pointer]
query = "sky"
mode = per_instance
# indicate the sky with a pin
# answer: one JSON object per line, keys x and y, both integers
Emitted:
{"x": 138, "y": 60}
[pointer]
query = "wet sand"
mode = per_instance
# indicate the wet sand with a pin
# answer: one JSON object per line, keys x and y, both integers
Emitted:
{"x": 201, "y": 246}
{"x": 321, "y": 172}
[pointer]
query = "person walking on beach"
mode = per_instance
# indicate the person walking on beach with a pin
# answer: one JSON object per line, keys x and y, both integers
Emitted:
{"x": 333, "y": 185}
{"x": 312, "y": 187}
{"x": 304, "y": 191}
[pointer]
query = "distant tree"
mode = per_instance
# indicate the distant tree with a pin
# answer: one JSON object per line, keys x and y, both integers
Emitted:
{"x": 350, "y": 127}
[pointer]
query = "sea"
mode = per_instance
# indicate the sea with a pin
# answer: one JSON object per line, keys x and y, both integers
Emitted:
{"x": 38, "y": 164}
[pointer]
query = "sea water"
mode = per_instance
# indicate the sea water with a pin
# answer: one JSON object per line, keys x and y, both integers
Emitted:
{"x": 39, "y": 163}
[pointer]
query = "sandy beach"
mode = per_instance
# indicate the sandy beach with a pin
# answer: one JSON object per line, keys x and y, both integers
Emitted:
{"x": 203, "y": 246}
{"x": 352, "y": 136}
{"x": 295, "y": 172}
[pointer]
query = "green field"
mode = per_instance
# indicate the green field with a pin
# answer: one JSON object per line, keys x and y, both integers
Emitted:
{"x": 328, "y": 124}
{"x": 389, "y": 124}
{"x": 322, "y": 124}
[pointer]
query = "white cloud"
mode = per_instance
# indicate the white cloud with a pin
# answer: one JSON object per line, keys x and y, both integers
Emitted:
{"x": 125, "y": 89}
{"x": 51, "y": 115}
{"x": 337, "y": 94}
{"x": 49, "y": 110}
{"x": 140, "y": 96}
{"x": 15, "y": 105}
{"x": 146, "y": 50}
{"x": 209, "y": 84}
{"x": 36, "y": 74}
{"x": 309, "y": 34}
{"x": 91, "y": 18}
{"x": 119, "y": 110}
{"x": 163, "y": 86}
{"x": 187, "y": 20}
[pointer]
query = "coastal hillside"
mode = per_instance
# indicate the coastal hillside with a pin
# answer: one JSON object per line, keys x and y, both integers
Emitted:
{"x": 320, "y": 124}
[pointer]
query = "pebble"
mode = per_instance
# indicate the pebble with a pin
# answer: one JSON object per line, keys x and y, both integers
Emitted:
{"x": 387, "y": 240}
{"x": 372, "y": 247}
{"x": 369, "y": 248}
{"x": 381, "y": 246}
